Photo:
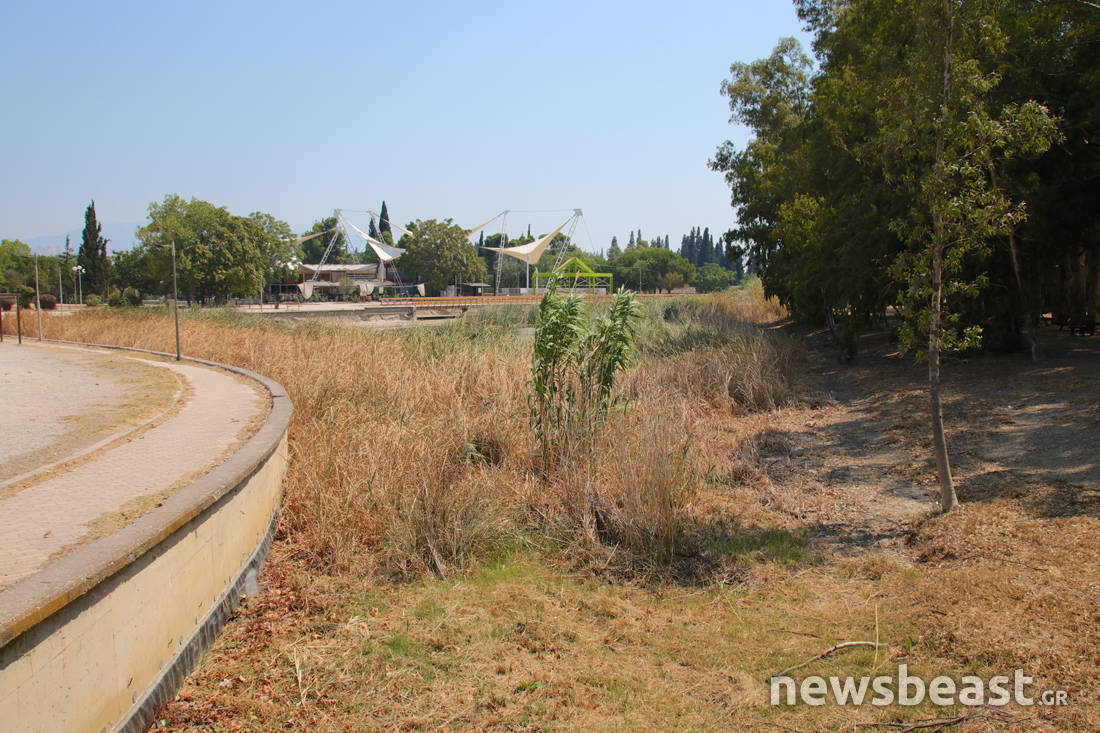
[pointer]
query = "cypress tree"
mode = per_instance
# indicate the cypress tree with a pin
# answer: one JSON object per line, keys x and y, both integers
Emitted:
{"x": 372, "y": 230}
{"x": 613, "y": 252}
{"x": 384, "y": 223}
{"x": 92, "y": 255}
{"x": 631, "y": 242}
{"x": 707, "y": 250}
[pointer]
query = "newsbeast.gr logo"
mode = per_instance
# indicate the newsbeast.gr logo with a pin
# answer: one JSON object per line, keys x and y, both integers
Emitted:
{"x": 906, "y": 689}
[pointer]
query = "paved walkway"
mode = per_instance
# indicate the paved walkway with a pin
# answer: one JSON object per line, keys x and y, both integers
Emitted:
{"x": 87, "y": 497}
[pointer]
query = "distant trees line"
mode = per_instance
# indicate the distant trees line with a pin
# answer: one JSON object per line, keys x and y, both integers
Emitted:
{"x": 220, "y": 255}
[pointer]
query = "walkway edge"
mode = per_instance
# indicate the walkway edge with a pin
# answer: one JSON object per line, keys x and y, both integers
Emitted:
{"x": 79, "y": 581}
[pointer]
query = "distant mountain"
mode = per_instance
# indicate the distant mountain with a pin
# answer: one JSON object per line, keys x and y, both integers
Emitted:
{"x": 120, "y": 236}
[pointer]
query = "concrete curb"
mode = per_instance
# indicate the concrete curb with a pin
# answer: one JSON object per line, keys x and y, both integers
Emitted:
{"x": 79, "y": 580}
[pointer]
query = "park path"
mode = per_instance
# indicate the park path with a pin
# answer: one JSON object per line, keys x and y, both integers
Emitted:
{"x": 91, "y": 496}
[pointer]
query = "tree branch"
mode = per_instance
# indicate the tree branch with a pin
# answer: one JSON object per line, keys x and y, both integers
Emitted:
{"x": 827, "y": 652}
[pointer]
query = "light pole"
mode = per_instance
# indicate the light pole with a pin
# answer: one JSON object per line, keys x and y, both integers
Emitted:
{"x": 175, "y": 300}
{"x": 37, "y": 298}
{"x": 79, "y": 270}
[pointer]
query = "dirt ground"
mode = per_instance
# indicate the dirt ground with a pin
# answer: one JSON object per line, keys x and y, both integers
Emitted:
{"x": 1011, "y": 580}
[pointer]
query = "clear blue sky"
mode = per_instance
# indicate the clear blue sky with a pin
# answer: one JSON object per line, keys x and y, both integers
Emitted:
{"x": 444, "y": 109}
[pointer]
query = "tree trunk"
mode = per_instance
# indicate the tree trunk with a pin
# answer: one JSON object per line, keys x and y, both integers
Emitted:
{"x": 948, "y": 499}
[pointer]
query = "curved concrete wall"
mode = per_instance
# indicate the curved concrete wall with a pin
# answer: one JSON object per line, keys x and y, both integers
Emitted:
{"x": 102, "y": 638}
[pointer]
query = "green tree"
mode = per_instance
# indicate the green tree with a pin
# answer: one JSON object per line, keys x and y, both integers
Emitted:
{"x": 613, "y": 251}
{"x": 217, "y": 254}
{"x": 92, "y": 255}
{"x": 939, "y": 133}
{"x": 652, "y": 268}
{"x": 384, "y": 229}
{"x": 438, "y": 253}
{"x": 712, "y": 277}
{"x": 16, "y": 267}
{"x": 279, "y": 252}
{"x": 314, "y": 249}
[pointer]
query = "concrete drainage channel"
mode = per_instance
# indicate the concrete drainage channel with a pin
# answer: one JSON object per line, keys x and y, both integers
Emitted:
{"x": 103, "y": 638}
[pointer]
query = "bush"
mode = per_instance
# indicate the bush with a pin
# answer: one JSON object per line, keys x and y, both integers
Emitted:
{"x": 6, "y": 304}
{"x": 92, "y": 300}
{"x": 47, "y": 302}
{"x": 132, "y": 296}
{"x": 115, "y": 299}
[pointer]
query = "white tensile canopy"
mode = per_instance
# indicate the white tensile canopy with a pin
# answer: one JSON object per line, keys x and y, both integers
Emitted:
{"x": 531, "y": 250}
{"x": 385, "y": 252}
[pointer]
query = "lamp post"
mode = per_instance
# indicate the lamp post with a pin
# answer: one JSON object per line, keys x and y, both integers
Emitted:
{"x": 175, "y": 300}
{"x": 79, "y": 270}
{"x": 37, "y": 298}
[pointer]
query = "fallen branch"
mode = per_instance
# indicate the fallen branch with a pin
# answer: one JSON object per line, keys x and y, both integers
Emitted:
{"x": 827, "y": 652}
{"x": 903, "y": 728}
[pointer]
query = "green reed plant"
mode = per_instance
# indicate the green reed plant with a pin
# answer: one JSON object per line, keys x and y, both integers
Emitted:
{"x": 574, "y": 365}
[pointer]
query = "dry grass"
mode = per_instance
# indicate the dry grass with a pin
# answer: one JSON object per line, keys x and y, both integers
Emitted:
{"x": 657, "y": 589}
{"x": 411, "y": 451}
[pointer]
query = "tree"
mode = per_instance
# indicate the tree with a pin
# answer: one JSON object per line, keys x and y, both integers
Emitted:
{"x": 217, "y": 254}
{"x": 711, "y": 278}
{"x": 892, "y": 176}
{"x": 279, "y": 254}
{"x": 438, "y": 254}
{"x": 384, "y": 228}
{"x": 652, "y": 268}
{"x": 613, "y": 252}
{"x": 939, "y": 134}
{"x": 314, "y": 249}
{"x": 92, "y": 255}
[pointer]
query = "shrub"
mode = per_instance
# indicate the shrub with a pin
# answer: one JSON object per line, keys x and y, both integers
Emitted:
{"x": 6, "y": 304}
{"x": 115, "y": 299}
{"x": 92, "y": 300}
{"x": 47, "y": 302}
{"x": 132, "y": 296}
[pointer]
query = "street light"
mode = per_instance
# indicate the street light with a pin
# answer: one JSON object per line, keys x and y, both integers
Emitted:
{"x": 79, "y": 270}
{"x": 175, "y": 300}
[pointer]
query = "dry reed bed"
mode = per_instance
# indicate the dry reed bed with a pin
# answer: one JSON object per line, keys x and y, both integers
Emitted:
{"x": 411, "y": 452}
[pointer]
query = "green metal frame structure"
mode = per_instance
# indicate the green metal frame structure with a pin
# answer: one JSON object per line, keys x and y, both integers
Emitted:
{"x": 575, "y": 270}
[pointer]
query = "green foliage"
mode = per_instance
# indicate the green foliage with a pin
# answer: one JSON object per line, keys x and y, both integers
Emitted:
{"x": 91, "y": 299}
{"x": 132, "y": 296}
{"x": 438, "y": 253}
{"x": 16, "y": 265}
{"x": 711, "y": 278}
{"x": 347, "y": 287}
{"x": 652, "y": 268}
{"x": 922, "y": 131}
{"x": 115, "y": 300}
{"x": 218, "y": 254}
{"x": 92, "y": 255}
{"x": 574, "y": 366}
{"x": 314, "y": 249}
